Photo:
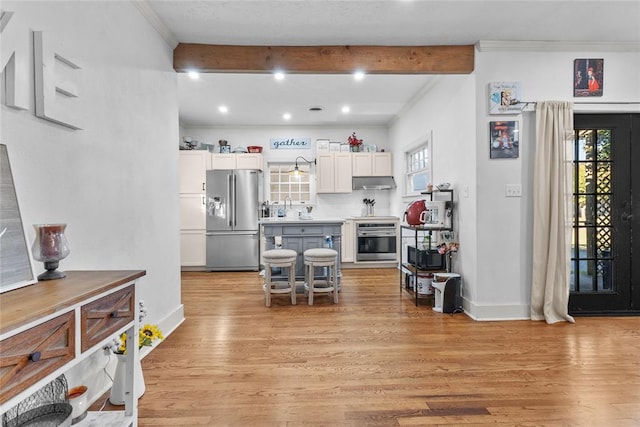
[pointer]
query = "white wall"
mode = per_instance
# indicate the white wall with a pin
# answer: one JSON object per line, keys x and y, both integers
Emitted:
{"x": 328, "y": 205}
{"x": 115, "y": 181}
{"x": 495, "y": 232}
{"x": 505, "y": 224}
{"x": 447, "y": 112}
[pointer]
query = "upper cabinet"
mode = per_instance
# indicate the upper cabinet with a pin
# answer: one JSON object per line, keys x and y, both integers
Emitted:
{"x": 372, "y": 164}
{"x": 333, "y": 172}
{"x": 231, "y": 161}
{"x": 193, "y": 170}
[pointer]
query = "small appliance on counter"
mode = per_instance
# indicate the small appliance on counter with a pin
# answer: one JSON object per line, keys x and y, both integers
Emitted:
{"x": 428, "y": 214}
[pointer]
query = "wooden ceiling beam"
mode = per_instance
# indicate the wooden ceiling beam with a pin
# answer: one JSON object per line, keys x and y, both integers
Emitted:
{"x": 324, "y": 59}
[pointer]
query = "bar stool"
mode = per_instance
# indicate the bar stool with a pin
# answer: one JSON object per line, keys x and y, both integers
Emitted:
{"x": 279, "y": 258}
{"x": 321, "y": 257}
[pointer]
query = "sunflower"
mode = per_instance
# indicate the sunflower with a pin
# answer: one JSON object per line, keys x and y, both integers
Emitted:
{"x": 146, "y": 336}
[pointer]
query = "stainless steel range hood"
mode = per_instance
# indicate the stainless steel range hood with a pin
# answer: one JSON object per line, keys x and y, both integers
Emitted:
{"x": 373, "y": 183}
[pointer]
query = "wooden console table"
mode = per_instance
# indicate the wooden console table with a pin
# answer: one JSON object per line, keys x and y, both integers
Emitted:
{"x": 49, "y": 327}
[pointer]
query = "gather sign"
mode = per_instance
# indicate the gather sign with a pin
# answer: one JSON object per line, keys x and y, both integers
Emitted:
{"x": 289, "y": 143}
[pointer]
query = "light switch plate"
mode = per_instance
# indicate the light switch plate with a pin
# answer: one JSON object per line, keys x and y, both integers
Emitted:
{"x": 513, "y": 190}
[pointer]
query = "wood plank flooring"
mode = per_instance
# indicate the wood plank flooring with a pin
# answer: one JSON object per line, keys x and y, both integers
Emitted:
{"x": 375, "y": 359}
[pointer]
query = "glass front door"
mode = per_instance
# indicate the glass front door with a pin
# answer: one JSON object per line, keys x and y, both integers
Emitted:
{"x": 602, "y": 275}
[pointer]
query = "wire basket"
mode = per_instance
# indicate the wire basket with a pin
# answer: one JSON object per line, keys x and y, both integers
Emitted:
{"x": 47, "y": 407}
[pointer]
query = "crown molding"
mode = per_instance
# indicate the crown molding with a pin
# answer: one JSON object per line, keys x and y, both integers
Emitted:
{"x": 556, "y": 46}
{"x": 156, "y": 22}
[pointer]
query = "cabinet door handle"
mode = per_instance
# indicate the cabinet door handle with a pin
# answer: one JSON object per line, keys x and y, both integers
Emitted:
{"x": 35, "y": 356}
{"x": 203, "y": 186}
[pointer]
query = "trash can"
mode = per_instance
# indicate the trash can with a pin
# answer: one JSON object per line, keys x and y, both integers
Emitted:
{"x": 448, "y": 298}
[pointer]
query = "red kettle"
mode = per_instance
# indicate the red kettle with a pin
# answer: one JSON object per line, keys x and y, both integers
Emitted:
{"x": 413, "y": 215}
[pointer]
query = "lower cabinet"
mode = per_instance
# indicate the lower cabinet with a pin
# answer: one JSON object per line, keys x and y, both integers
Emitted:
{"x": 193, "y": 246}
{"x": 348, "y": 241}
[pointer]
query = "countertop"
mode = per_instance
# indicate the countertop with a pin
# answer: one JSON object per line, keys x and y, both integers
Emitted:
{"x": 300, "y": 221}
{"x": 374, "y": 218}
{"x": 286, "y": 220}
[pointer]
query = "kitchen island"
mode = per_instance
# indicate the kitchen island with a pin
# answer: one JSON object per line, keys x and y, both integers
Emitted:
{"x": 299, "y": 235}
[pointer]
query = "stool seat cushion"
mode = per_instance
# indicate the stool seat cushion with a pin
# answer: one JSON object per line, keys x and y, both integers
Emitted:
{"x": 320, "y": 254}
{"x": 279, "y": 254}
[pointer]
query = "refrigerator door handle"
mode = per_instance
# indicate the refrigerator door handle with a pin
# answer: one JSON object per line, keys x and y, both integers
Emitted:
{"x": 235, "y": 219}
{"x": 230, "y": 201}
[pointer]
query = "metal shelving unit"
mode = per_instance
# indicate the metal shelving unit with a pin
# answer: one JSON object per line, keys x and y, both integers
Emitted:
{"x": 417, "y": 234}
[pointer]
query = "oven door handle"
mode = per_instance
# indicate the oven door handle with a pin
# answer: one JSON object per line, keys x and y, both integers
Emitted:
{"x": 377, "y": 234}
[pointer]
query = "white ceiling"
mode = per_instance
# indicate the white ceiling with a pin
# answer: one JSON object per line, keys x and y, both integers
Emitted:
{"x": 258, "y": 99}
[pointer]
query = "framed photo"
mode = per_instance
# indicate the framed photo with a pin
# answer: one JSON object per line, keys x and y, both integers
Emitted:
{"x": 504, "y": 140}
{"x": 588, "y": 77}
{"x": 504, "y": 98}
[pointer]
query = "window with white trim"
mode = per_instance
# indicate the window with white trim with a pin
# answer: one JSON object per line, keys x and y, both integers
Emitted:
{"x": 282, "y": 184}
{"x": 418, "y": 168}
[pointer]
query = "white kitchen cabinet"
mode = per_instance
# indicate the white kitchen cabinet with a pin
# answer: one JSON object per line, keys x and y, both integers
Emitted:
{"x": 193, "y": 176}
{"x": 231, "y": 161}
{"x": 333, "y": 171}
{"x": 192, "y": 212}
{"x": 348, "y": 241}
{"x": 193, "y": 248}
{"x": 372, "y": 164}
{"x": 193, "y": 170}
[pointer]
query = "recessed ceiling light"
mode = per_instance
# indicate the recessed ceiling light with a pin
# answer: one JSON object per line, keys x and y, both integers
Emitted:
{"x": 194, "y": 75}
{"x": 286, "y": 116}
{"x": 278, "y": 75}
{"x": 358, "y": 75}
{"x": 346, "y": 109}
{"x": 223, "y": 109}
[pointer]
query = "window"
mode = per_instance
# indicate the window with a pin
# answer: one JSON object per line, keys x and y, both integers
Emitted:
{"x": 283, "y": 185}
{"x": 418, "y": 169}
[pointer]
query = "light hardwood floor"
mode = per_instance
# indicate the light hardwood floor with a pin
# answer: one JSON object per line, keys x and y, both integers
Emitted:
{"x": 375, "y": 359}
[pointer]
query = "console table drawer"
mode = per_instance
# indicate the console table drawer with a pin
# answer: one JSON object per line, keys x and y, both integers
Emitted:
{"x": 29, "y": 356}
{"x": 106, "y": 315}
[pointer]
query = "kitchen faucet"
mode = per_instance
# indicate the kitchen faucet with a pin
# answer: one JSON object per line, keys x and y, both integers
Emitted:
{"x": 290, "y": 203}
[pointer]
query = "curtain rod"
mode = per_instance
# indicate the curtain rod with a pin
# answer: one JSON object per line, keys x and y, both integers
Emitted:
{"x": 592, "y": 103}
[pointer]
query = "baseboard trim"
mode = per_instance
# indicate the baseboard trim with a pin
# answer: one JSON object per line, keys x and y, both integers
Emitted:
{"x": 496, "y": 312}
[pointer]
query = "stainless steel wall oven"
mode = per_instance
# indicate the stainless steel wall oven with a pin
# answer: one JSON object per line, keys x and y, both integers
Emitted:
{"x": 376, "y": 241}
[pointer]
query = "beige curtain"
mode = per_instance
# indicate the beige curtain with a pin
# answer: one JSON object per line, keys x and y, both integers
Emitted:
{"x": 552, "y": 215}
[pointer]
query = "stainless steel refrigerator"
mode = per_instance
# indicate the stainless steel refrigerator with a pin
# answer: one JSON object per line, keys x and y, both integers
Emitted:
{"x": 233, "y": 208}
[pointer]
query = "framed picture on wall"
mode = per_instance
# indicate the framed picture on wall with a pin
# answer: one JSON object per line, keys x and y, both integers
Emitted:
{"x": 504, "y": 98}
{"x": 588, "y": 77}
{"x": 504, "y": 140}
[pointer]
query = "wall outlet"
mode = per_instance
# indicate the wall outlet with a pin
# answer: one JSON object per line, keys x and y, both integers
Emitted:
{"x": 513, "y": 190}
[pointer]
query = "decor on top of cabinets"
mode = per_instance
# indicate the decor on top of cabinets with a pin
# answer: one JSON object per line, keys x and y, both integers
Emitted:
{"x": 289, "y": 143}
{"x": 504, "y": 98}
{"x": 354, "y": 142}
{"x": 504, "y": 140}
{"x": 322, "y": 145}
{"x": 588, "y": 77}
